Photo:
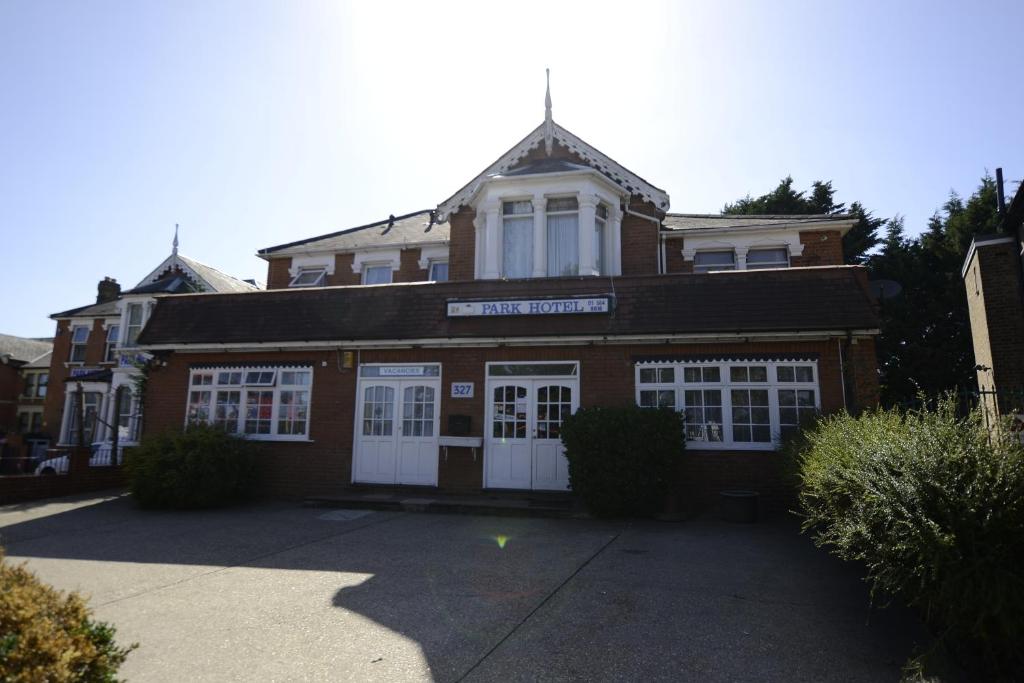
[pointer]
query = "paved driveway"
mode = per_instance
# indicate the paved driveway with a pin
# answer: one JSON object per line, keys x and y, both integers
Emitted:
{"x": 282, "y": 592}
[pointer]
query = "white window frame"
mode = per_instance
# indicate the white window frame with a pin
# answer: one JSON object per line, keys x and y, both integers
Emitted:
{"x": 307, "y": 270}
{"x": 126, "y": 332}
{"x": 211, "y": 383}
{"x": 84, "y": 344}
{"x": 548, "y": 213}
{"x": 113, "y": 338}
{"x": 725, "y": 385}
{"x": 698, "y": 268}
{"x": 769, "y": 264}
{"x": 367, "y": 267}
{"x": 430, "y": 269}
{"x": 31, "y": 379}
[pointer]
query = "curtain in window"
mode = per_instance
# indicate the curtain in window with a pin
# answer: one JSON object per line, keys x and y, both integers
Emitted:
{"x": 517, "y": 248}
{"x": 563, "y": 245}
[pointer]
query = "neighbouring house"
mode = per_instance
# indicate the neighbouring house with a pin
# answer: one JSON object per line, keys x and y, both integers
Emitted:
{"x": 24, "y": 376}
{"x": 993, "y": 275}
{"x": 443, "y": 348}
{"x": 96, "y": 363}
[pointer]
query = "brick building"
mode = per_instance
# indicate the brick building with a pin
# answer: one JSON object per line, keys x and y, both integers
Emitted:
{"x": 93, "y": 370}
{"x": 442, "y": 348}
{"x": 24, "y": 376}
{"x": 994, "y": 279}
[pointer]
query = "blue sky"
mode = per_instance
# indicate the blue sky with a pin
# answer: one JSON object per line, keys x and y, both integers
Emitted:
{"x": 255, "y": 123}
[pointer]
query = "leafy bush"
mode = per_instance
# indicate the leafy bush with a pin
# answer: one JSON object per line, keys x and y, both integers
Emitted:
{"x": 200, "y": 467}
{"x": 47, "y": 635}
{"x": 621, "y": 460}
{"x": 933, "y": 505}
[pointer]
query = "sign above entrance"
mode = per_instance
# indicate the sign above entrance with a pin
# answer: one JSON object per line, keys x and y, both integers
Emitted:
{"x": 399, "y": 370}
{"x": 506, "y": 307}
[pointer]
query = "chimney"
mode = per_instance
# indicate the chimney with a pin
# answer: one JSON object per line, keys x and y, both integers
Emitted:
{"x": 1000, "y": 197}
{"x": 107, "y": 290}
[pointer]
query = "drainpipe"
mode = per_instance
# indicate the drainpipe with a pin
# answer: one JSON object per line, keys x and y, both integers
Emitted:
{"x": 657, "y": 222}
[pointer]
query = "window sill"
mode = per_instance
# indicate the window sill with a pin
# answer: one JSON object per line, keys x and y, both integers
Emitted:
{"x": 271, "y": 437}
{"x": 722, "y": 446}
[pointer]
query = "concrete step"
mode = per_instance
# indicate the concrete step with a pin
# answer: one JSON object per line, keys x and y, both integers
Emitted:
{"x": 513, "y": 506}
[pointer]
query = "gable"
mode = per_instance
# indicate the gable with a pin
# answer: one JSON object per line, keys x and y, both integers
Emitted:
{"x": 568, "y": 146}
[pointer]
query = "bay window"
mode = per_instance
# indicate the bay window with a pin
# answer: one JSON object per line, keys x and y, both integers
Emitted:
{"x": 110, "y": 351}
{"x": 260, "y": 403}
{"x": 89, "y": 410}
{"x": 517, "y": 239}
{"x": 563, "y": 227}
{"x": 135, "y": 318}
{"x": 733, "y": 404}
{"x": 600, "y": 223}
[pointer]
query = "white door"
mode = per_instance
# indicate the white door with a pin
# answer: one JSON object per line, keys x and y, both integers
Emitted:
{"x": 524, "y": 447}
{"x": 397, "y": 425}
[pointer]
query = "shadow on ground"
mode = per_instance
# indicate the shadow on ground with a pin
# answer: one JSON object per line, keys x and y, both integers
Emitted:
{"x": 279, "y": 591}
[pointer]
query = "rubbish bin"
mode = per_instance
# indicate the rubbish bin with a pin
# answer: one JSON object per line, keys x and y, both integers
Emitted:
{"x": 738, "y": 506}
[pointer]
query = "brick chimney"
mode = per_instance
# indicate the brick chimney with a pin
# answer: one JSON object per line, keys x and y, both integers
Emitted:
{"x": 107, "y": 290}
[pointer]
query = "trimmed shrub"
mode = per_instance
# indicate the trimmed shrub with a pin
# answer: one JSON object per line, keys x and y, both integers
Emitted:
{"x": 621, "y": 460}
{"x": 47, "y": 635}
{"x": 933, "y": 505}
{"x": 200, "y": 467}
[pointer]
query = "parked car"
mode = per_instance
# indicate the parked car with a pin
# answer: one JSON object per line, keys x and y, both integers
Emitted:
{"x": 60, "y": 464}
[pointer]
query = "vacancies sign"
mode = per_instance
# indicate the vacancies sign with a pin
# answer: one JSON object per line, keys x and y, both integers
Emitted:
{"x": 502, "y": 307}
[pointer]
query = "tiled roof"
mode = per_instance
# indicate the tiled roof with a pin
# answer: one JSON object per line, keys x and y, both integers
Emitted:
{"x": 412, "y": 228}
{"x": 23, "y": 349}
{"x": 784, "y": 300}
{"x": 696, "y": 221}
{"x": 221, "y": 282}
{"x": 107, "y": 309}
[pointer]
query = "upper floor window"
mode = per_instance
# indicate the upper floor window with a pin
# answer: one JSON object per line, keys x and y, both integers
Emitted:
{"x": 768, "y": 258}
{"x": 377, "y": 274}
{"x": 35, "y": 384}
{"x": 563, "y": 224}
{"x": 309, "y": 277}
{"x": 705, "y": 261}
{"x": 517, "y": 239}
{"x": 79, "y": 339}
{"x": 438, "y": 271}
{"x": 136, "y": 318}
{"x": 113, "y": 334}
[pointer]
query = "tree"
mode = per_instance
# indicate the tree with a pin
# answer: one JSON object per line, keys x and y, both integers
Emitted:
{"x": 784, "y": 200}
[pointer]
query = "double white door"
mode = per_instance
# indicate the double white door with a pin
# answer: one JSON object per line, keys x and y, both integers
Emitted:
{"x": 396, "y": 428}
{"x": 524, "y": 424}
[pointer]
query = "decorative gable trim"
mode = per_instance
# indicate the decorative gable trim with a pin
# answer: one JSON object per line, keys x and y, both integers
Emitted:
{"x": 172, "y": 262}
{"x": 621, "y": 176}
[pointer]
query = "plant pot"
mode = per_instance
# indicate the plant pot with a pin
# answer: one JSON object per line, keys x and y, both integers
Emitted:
{"x": 738, "y": 506}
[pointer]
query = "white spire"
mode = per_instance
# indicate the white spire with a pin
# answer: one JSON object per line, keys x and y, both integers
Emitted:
{"x": 549, "y": 127}
{"x": 174, "y": 244}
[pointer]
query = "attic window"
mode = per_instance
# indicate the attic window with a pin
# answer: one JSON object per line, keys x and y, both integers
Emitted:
{"x": 309, "y": 277}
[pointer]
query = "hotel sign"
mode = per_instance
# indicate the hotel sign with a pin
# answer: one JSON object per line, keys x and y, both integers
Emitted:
{"x": 499, "y": 308}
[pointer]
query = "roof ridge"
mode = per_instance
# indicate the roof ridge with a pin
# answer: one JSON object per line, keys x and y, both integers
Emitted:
{"x": 336, "y": 233}
{"x": 838, "y": 216}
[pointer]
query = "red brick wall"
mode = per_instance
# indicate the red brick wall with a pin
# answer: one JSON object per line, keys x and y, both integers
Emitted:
{"x": 95, "y": 348}
{"x": 607, "y": 378}
{"x": 674, "y": 261}
{"x": 821, "y": 248}
{"x": 10, "y": 390}
{"x": 640, "y": 240}
{"x": 996, "y": 310}
{"x": 462, "y": 249}
{"x": 409, "y": 270}
{"x": 278, "y": 276}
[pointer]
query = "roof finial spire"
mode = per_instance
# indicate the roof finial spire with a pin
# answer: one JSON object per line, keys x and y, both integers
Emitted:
{"x": 549, "y": 127}
{"x": 174, "y": 244}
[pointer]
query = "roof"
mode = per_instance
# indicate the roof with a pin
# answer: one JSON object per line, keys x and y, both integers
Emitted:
{"x": 687, "y": 222}
{"x": 208, "y": 277}
{"x": 171, "y": 284}
{"x": 23, "y": 349}
{"x": 107, "y": 309}
{"x": 616, "y": 172}
{"x": 783, "y": 300}
{"x": 412, "y": 228}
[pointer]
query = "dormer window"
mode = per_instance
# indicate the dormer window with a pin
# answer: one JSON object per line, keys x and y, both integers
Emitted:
{"x": 377, "y": 274}
{"x": 309, "y": 277}
{"x": 706, "y": 261}
{"x": 517, "y": 239}
{"x": 563, "y": 221}
{"x": 768, "y": 258}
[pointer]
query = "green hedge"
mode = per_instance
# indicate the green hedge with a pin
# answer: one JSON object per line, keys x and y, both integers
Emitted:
{"x": 47, "y": 635}
{"x": 933, "y": 505}
{"x": 622, "y": 460}
{"x": 200, "y": 467}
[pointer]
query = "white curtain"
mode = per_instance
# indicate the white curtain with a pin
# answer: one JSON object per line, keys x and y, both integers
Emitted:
{"x": 599, "y": 246}
{"x": 517, "y": 249}
{"x": 563, "y": 245}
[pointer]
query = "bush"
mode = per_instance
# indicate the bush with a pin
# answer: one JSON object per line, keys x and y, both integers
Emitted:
{"x": 934, "y": 507}
{"x": 200, "y": 467}
{"x": 622, "y": 460}
{"x": 47, "y": 635}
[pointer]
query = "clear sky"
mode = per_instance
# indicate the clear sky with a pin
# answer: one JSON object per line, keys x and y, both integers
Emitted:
{"x": 253, "y": 123}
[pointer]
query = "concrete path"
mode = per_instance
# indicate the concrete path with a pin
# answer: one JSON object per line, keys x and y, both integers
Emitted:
{"x": 281, "y": 592}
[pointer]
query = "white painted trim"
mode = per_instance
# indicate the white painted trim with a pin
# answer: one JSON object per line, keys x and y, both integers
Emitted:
{"x": 433, "y": 342}
{"x": 379, "y": 257}
{"x": 325, "y": 261}
{"x": 743, "y": 243}
{"x": 433, "y": 253}
{"x": 974, "y": 248}
{"x": 842, "y": 227}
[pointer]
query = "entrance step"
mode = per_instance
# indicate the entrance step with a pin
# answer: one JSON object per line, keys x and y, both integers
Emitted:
{"x": 513, "y": 505}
